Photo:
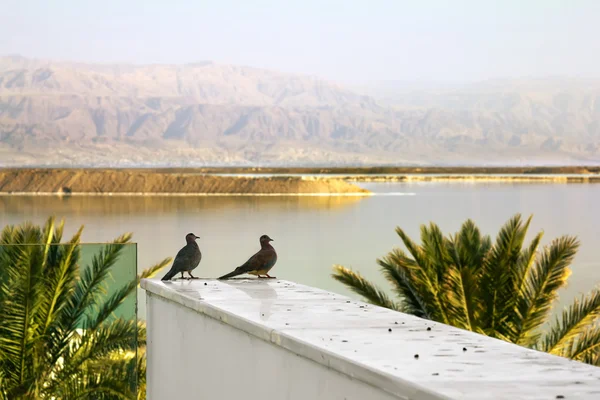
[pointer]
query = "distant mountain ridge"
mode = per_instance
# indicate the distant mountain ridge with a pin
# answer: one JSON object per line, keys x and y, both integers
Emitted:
{"x": 63, "y": 113}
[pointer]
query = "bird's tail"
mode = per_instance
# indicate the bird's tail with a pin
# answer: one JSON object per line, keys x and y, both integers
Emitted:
{"x": 236, "y": 272}
{"x": 169, "y": 275}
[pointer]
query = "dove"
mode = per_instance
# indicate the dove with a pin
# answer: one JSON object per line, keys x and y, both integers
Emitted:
{"x": 186, "y": 259}
{"x": 260, "y": 263}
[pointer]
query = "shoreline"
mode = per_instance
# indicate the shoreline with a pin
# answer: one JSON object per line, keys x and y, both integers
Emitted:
{"x": 476, "y": 178}
{"x": 279, "y": 183}
{"x": 323, "y": 170}
{"x": 175, "y": 194}
{"x": 69, "y": 182}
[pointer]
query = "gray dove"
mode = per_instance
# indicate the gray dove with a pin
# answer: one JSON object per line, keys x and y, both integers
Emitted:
{"x": 186, "y": 259}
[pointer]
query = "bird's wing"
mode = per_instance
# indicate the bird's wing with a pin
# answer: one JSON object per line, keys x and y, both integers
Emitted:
{"x": 182, "y": 258}
{"x": 258, "y": 260}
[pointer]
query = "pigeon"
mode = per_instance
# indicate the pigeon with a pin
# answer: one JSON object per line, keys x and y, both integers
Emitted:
{"x": 186, "y": 259}
{"x": 260, "y": 263}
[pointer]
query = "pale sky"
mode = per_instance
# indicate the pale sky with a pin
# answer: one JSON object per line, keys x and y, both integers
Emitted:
{"x": 346, "y": 40}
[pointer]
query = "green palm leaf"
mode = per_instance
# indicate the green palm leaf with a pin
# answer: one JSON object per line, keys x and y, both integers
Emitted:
{"x": 461, "y": 296}
{"x": 467, "y": 251}
{"x": 58, "y": 281}
{"x": 497, "y": 278}
{"x": 92, "y": 345}
{"x": 574, "y": 322}
{"x": 88, "y": 290}
{"x": 585, "y": 347}
{"x": 361, "y": 286}
{"x": 398, "y": 270}
{"x": 426, "y": 276}
{"x": 86, "y": 386}
{"x": 44, "y": 299}
{"x": 518, "y": 304}
{"x": 108, "y": 307}
{"x": 435, "y": 252}
{"x": 501, "y": 290}
{"x": 549, "y": 274}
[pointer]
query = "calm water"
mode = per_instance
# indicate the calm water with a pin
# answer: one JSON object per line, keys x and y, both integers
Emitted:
{"x": 313, "y": 233}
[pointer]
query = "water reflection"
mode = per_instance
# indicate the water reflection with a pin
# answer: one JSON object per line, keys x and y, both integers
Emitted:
{"x": 313, "y": 233}
{"x": 263, "y": 292}
{"x": 119, "y": 205}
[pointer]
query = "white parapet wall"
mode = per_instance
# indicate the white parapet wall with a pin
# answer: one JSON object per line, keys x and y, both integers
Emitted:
{"x": 276, "y": 340}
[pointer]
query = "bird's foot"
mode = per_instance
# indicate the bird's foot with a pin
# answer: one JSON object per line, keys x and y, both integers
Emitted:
{"x": 271, "y": 277}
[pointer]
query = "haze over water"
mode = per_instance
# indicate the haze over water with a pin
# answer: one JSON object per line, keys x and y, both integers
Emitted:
{"x": 313, "y": 233}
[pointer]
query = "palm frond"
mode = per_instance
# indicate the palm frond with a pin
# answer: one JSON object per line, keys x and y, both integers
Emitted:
{"x": 515, "y": 306}
{"x": 359, "y": 285}
{"x": 496, "y": 279}
{"x": 592, "y": 358}
{"x": 500, "y": 290}
{"x": 153, "y": 270}
{"x": 425, "y": 276}
{"x": 575, "y": 321}
{"x": 141, "y": 373}
{"x": 460, "y": 290}
{"x": 586, "y": 347}
{"x": 7, "y": 235}
{"x": 108, "y": 307}
{"x": 88, "y": 386}
{"x": 124, "y": 365}
{"x": 47, "y": 239}
{"x": 93, "y": 345}
{"x": 467, "y": 251}
{"x": 398, "y": 270}
{"x": 58, "y": 282}
{"x": 43, "y": 299}
{"x": 435, "y": 251}
{"x": 3, "y": 393}
{"x": 88, "y": 290}
{"x": 548, "y": 275}
{"x": 472, "y": 246}
{"x": 90, "y": 285}
{"x": 20, "y": 299}
{"x": 415, "y": 250}
{"x": 21, "y": 302}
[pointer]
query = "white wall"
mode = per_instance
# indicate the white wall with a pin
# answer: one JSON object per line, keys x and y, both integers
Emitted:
{"x": 277, "y": 340}
{"x": 193, "y": 356}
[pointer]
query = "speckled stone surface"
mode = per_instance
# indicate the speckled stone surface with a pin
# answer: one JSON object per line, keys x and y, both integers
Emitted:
{"x": 380, "y": 346}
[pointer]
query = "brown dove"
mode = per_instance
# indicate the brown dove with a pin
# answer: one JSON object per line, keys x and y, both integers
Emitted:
{"x": 260, "y": 263}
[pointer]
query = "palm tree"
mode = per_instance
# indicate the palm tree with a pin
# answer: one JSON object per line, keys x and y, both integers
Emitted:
{"x": 499, "y": 289}
{"x": 59, "y": 334}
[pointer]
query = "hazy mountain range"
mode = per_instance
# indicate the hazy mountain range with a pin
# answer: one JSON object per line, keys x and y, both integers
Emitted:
{"x": 64, "y": 113}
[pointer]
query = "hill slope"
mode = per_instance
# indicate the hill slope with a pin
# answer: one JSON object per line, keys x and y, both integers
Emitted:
{"x": 58, "y": 113}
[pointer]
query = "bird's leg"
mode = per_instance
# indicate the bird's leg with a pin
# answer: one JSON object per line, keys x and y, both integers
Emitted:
{"x": 260, "y": 277}
{"x": 182, "y": 275}
{"x": 270, "y": 277}
{"x": 191, "y": 276}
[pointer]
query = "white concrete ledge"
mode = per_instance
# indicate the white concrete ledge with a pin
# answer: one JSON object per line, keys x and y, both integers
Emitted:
{"x": 273, "y": 339}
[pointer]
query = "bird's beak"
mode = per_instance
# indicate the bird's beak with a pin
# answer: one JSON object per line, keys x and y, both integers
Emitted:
{"x": 197, "y": 237}
{"x": 271, "y": 240}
